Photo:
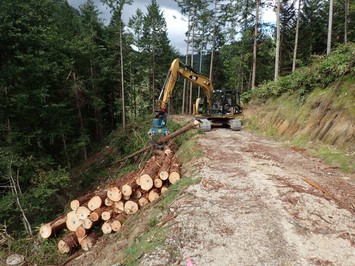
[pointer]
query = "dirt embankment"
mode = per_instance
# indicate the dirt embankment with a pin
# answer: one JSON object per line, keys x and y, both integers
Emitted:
{"x": 259, "y": 203}
{"x": 326, "y": 115}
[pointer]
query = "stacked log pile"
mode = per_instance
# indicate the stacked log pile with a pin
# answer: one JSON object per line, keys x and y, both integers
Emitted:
{"x": 107, "y": 208}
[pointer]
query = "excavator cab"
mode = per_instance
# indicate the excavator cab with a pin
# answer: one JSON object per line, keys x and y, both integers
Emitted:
{"x": 225, "y": 103}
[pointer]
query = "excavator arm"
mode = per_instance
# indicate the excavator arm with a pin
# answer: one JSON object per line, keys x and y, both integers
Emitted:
{"x": 177, "y": 69}
{"x": 189, "y": 74}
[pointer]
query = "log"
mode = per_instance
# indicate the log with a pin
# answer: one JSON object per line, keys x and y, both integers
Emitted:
{"x": 178, "y": 132}
{"x": 106, "y": 227}
{"x": 163, "y": 140}
{"x": 116, "y": 222}
{"x": 164, "y": 189}
{"x": 127, "y": 190}
{"x": 124, "y": 179}
{"x": 143, "y": 201}
{"x": 131, "y": 207}
{"x": 53, "y": 227}
{"x": 95, "y": 202}
{"x": 81, "y": 232}
{"x": 153, "y": 195}
{"x": 137, "y": 194}
{"x": 108, "y": 202}
{"x": 146, "y": 182}
{"x": 86, "y": 223}
{"x": 174, "y": 175}
{"x": 114, "y": 193}
{"x": 118, "y": 207}
{"x": 149, "y": 172}
{"x": 106, "y": 215}
{"x": 95, "y": 215}
{"x": 89, "y": 241}
{"x": 82, "y": 212}
{"x": 74, "y": 204}
{"x": 158, "y": 183}
{"x": 164, "y": 170}
{"x": 73, "y": 221}
{"x": 68, "y": 243}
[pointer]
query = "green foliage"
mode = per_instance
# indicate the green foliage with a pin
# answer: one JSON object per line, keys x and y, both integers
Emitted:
{"x": 302, "y": 81}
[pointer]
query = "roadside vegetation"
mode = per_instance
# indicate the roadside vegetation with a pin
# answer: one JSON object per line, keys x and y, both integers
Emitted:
{"x": 312, "y": 109}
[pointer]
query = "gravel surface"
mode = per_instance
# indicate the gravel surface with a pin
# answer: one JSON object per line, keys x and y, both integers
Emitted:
{"x": 260, "y": 203}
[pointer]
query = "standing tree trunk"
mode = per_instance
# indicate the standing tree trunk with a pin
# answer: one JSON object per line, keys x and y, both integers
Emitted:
{"x": 16, "y": 192}
{"x": 186, "y": 63}
{"x": 81, "y": 120}
{"x": 277, "y": 55}
{"x": 213, "y": 44}
{"x": 255, "y": 43}
{"x": 346, "y": 15}
{"x": 192, "y": 56}
{"x": 296, "y": 37}
{"x": 122, "y": 80}
{"x": 330, "y": 25}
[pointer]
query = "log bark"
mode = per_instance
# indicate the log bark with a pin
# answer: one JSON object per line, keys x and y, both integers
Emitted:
{"x": 68, "y": 243}
{"x": 174, "y": 175}
{"x": 53, "y": 227}
{"x": 164, "y": 170}
{"x": 149, "y": 172}
{"x": 163, "y": 140}
{"x": 89, "y": 241}
{"x": 116, "y": 222}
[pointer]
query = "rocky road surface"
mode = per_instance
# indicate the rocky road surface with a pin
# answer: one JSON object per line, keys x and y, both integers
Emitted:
{"x": 260, "y": 203}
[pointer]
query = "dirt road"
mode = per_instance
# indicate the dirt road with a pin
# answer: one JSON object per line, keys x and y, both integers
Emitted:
{"x": 260, "y": 203}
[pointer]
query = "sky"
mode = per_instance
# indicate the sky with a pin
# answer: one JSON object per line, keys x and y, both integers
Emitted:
{"x": 176, "y": 23}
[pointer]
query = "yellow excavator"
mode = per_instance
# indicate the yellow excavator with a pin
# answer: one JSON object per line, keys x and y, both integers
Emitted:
{"x": 218, "y": 108}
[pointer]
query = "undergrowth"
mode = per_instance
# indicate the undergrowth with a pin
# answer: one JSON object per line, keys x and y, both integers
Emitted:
{"x": 320, "y": 74}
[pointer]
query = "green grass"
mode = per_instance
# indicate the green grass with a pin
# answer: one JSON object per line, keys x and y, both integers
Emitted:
{"x": 155, "y": 235}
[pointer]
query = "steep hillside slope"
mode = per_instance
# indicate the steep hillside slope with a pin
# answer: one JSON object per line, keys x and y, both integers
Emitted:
{"x": 314, "y": 107}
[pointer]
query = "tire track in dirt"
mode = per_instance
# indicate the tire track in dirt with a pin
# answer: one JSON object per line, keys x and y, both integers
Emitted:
{"x": 252, "y": 207}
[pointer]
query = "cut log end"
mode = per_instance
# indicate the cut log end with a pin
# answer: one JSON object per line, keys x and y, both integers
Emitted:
{"x": 127, "y": 190}
{"x": 106, "y": 227}
{"x": 95, "y": 203}
{"x": 116, "y": 225}
{"x": 73, "y": 222}
{"x": 88, "y": 242}
{"x": 174, "y": 177}
{"x": 146, "y": 182}
{"x": 45, "y": 231}
{"x": 131, "y": 207}
{"x": 114, "y": 194}
{"x": 74, "y": 204}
